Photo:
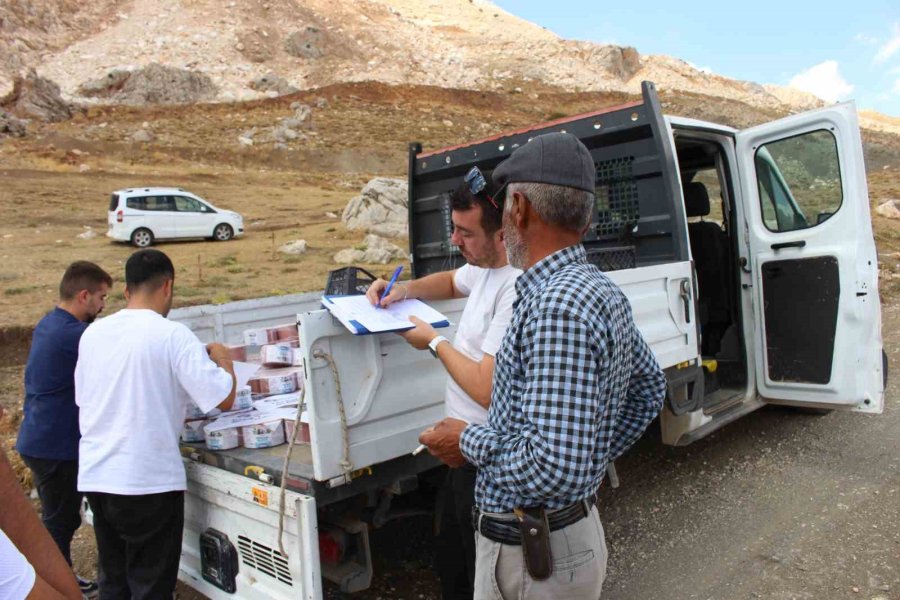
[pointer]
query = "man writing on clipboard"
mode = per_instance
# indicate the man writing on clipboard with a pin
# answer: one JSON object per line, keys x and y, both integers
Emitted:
{"x": 489, "y": 283}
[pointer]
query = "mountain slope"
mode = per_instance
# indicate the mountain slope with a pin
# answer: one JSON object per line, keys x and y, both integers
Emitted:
{"x": 466, "y": 44}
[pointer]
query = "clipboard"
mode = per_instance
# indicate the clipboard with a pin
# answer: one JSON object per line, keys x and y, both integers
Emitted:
{"x": 361, "y": 318}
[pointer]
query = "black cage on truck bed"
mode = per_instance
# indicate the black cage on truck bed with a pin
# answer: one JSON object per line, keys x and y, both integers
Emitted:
{"x": 639, "y": 214}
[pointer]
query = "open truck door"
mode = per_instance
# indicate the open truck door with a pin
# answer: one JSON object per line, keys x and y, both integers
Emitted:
{"x": 813, "y": 269}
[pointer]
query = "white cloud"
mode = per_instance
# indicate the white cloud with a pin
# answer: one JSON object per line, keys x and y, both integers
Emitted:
{"x": 896, "y": 88}
{"x": 891, "y": 47}
{"x": 823, "y": 80}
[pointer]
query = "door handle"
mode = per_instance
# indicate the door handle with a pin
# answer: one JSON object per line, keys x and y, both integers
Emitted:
{"x": 796, "y": 244}
{"x": 686, "y": 299}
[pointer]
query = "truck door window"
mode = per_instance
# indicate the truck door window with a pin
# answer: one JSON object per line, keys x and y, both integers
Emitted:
{"x": 799, "y": 181}
{"x": 710, "y": 179}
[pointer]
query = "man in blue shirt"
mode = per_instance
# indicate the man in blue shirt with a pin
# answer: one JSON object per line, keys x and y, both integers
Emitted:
{"x": 48, "y": 437}
{"x": 575, "y": 385}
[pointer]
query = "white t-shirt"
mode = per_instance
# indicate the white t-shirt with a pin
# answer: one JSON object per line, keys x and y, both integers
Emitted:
{"x": 136, "y": 373}
{"x": 483, "y": 324}
{"x": 16, "y": 573}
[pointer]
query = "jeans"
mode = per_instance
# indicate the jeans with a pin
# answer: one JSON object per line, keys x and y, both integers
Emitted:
{"x": 57, "y": 485}
{"x": 579, "y": 566}
{"x": 455, "y": 544}
{"x": 139, "y": 543}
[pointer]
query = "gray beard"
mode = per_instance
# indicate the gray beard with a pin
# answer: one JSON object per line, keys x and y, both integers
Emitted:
{"x": 516, "y": 250}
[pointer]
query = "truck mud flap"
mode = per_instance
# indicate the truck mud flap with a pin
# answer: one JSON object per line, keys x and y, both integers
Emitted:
{"x": 685, "y": 389}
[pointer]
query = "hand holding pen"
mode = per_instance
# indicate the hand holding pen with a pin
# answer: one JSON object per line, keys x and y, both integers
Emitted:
{"x": 379, "y": 291}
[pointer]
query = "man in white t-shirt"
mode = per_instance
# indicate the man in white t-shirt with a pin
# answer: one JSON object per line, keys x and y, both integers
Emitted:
{"x": 489, "y": 283}
{"x": 136, "y": 373}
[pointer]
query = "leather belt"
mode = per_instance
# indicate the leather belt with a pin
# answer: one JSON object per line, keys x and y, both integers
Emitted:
{"x": 505, "y": 528}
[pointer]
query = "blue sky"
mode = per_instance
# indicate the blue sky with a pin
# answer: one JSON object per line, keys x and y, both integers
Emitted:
{"x": 839, "y": 51}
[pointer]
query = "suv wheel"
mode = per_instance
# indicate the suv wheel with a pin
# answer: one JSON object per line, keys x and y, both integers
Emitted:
{"x": 142, "y": 237}
{"x": 223, "y": 232}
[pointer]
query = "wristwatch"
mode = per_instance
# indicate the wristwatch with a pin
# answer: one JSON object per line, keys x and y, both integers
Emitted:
{"x": 433, "y": 344}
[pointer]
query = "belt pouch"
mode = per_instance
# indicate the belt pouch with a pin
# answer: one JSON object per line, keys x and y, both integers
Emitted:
{"x": 535, "y": 533}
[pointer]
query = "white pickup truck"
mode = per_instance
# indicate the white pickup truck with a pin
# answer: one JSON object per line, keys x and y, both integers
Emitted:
{"x": 748, "y": 258}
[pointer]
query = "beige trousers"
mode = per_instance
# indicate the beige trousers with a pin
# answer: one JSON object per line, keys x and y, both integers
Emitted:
{"x": 579, "y": 566}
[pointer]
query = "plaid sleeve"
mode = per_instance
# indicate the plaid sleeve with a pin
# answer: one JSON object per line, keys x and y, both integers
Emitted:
{"x": 643, "y": 400}
{"x": 550, "y": 453}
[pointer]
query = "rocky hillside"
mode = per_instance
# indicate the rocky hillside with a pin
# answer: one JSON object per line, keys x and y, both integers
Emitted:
{"x": 240, "y": 50}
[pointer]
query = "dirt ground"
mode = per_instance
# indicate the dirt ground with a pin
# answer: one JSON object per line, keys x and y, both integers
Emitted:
{"x": 778, "y": 505}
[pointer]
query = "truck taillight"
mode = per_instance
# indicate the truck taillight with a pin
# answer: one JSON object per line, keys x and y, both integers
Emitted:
{"x": 119, "y": 217}
{"x": 331, "y": 547}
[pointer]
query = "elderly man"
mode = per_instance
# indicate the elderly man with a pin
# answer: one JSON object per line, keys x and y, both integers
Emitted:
{"x": 136, "y": 373}
{"x": 48, "y": 436}
{"x": 575, "y": 385}
{"x": 488, "y": 282}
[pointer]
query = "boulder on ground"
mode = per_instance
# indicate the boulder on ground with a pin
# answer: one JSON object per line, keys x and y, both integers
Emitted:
{"x": 35, "y": 97}
{"x": 12, "y": 126}
{"x": 257, "y": 45}
{"x": 301, "y": 119}
{"x": 153, "y": 84}
{"x": 889, "y": 209}
{"x": 271, "y": 82}
{"x": 295, "y": 247}
{"x": 143, "y": 136}
{"x": 374, "y": 250}
{"x": 305, "y": 43}
{"x": 381, "y": 208}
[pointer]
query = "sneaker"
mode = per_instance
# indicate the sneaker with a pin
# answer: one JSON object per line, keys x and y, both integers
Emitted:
{"x": 89, "y": 589}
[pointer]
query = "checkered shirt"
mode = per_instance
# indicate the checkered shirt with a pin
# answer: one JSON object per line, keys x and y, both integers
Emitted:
{"x": 575, "y": 385}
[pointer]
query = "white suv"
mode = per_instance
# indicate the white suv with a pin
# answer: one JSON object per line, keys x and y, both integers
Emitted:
{"x": 142, "y": 215}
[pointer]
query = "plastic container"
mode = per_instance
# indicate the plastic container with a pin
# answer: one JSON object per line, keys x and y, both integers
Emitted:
{"x": 193, "y": 430}
{"x": 223, "y": 439}
{"x": 243, "y": 399}
{"x": 287, "y": 334}
{"x": 268, "y": 385}
{"x": 276, "y": 355}
{"x": 193, "y": 412}
{"x": 263, "y": 435}
{"x": 302, "y": 433}
{"x": 238, "y": 353}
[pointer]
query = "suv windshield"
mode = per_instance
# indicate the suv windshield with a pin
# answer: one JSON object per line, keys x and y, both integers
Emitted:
{"x": 113, "y": 202}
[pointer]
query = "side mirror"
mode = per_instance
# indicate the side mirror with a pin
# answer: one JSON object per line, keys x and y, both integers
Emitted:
{"x": 823, "y": 216}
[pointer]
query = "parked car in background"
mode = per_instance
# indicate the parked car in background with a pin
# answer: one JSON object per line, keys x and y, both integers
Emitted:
{"x": 144, "y": 215}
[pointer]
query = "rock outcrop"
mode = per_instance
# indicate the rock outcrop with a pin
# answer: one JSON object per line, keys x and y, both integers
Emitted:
{"x": 153, "y": 84}
{"x": 381, "y": 208}
{"x": 36, "y": 97}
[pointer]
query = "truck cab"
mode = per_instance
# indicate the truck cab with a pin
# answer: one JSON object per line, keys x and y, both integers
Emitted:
{"x": 760, "y": 239}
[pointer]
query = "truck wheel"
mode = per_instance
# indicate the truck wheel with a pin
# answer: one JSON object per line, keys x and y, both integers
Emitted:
{"x": 223, "y": 232}
{"x": 142, "y": 237}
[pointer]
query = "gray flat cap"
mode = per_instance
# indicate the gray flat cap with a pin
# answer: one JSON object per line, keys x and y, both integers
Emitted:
{"x": 554, "y": 158}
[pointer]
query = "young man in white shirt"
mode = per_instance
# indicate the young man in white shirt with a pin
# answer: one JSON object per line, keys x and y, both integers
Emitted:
{"x": 489, "y": 283}
{"x": 136, "y": 373}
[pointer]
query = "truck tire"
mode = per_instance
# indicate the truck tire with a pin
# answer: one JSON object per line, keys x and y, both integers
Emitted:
{"x": 142, "y": 237}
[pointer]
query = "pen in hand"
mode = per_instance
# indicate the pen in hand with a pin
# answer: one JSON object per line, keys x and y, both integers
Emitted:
{"x": 387, "y": 290}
